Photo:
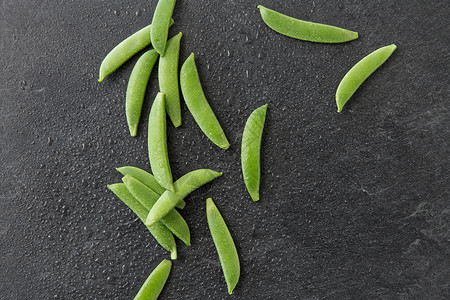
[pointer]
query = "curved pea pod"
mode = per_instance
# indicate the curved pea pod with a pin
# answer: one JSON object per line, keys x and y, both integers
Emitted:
{"x": 160, "y": 232}
{"x": 161, "y": 23}
{"x": 147, "y": 179}
{"x": 173, "y": 220}
{"x": 251, "y": 149}
{"x": 359, "y": 73}
{"x": 168, "y": 79}
{"x": 154, "y": 284}
{"x": 157, "y": 144}
{"x": 137, "y": 85}
{"x": 303, "y": 30}
{"x": 228, "y": 256}
{"x": 183, "y": 187}
{"x": 125, "y": 50}
{"x": 198, "y": 105}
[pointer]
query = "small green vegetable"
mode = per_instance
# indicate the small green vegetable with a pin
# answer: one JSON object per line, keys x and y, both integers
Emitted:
{"x": 198, "y": 105}
{"x": 161, "y": 24}
{"x": 154, "y": 284}
{"x": 250, "y": 151}
{"x": 147, "y": 179}
{"x": 160, "y": 232}
{"x": 137, "y": 85}
{"x": 303, "y": 30}
{"x": 183, "y": 187}
{"x": 157, "y": 144}
{"x": 360, "y": 72}
{"x": 173, "y": 220}
{"x": 224, "y": 243}
{"x": 168, "y": 79}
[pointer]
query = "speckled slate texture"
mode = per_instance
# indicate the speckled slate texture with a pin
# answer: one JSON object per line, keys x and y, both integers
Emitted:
{"x": 353, "y": 205}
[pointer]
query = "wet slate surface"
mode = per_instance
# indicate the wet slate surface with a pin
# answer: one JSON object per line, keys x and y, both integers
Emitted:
{"x": 354, "y": 205}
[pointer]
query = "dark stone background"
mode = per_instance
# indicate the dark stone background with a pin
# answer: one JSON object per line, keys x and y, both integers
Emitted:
{"x": 354, "y": 205}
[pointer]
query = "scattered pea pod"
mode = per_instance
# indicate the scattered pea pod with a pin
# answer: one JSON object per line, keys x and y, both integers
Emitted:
{"x": 154, "y": 284}
{"x": 160, "y": 232}
{"x": 250, "y": 151}
{"x": 137, "y": 85}
{"x": 183, "y": 187}
{"x": 161, "y": 24}
{"x": 147, "y": 179}
{"x": 157, "y": 144}
{"x": 303, "y": 30}
{"x": 198, "y": 105}
{"x": 168, "y": 79}
{"x": 359, "y": 73}
{"x": 147, "y": 197}
{"x": 224, "y": 243}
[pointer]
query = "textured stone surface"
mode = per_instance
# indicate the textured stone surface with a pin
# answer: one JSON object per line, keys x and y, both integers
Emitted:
{"x": 353, "y": 205}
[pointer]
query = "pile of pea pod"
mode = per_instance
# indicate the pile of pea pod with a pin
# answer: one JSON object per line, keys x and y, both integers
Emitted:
{"x": 155, "y": 198}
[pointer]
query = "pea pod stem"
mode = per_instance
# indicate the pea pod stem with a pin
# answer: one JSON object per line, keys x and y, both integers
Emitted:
{"x": 228, "y": 256}
{"x": 304, "y": 30}
{"x": 360, "y": 72}
{"x": 161, "y": 24}
{"x": 183, "y": 187}
{"x": 155, "y": 282}
{"x": 251, "y": 149}
{"x": 137, "y": 85}
{"x": 160, "y": 232}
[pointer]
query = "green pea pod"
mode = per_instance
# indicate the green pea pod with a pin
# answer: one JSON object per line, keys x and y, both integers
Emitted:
{"x": 160, "y": 232}
{"x": 147, "y": 179}
{"x": 183, "y": 187}
{"x": 173, "y": 220}
{"x": 224, "y": 243}
{"x": 161, "y": 23}
{"x": 137, "y": 85}
{"x": 157, "y": 144}
{"x": 168, "y": 79}
{"x": 359, "y": 73}
{"x": 154, "y": 284}
{"x": 125, "y": 50}
{"x": 198, "y": 105}
{"x": 303, "y": 30}
{"x": 250, "y": 151}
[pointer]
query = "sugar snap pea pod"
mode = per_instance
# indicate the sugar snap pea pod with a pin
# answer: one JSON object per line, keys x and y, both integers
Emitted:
{"x": 125, "y": 50}
{"x": 198, "y": 105}
{"x": 161, "y": 24}
{"x": 157, "y": 144}
{"x": 154, "y": 284}
{"x": 303, "y": 30}
{"x": 250, "y": 151}
{"x": 168, "y": 79}
{"x": 137, "y": 85}
{"x": 173, "y": 220}
{"x": 359, "y": 73}
{"x": 224, "y": 243}
{"x": 183, "y": 187}
{"x": 160, "y": 232}
{"x": 147, "y": 179}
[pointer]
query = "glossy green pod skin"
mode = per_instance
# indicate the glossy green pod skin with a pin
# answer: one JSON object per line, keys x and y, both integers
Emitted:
{"x": 228, "y": 256}
{"x": 183, "y": 187}
{"x": 359, "y": 73}
{"x": 147, "y": 197}
{"x": 154, "y": 284}
{"x": 303, "y": 30}
{"x": 147, "y": 179}
{"x": 251, "y": 151}
{"x": 160, "y": 24}
{"x": 137, "y": 85}
{"x": 198, "y": 105}
{"x": 168, "y": 79}
{"x": 160, "y": 232}
{"x": 157, "y": 144}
